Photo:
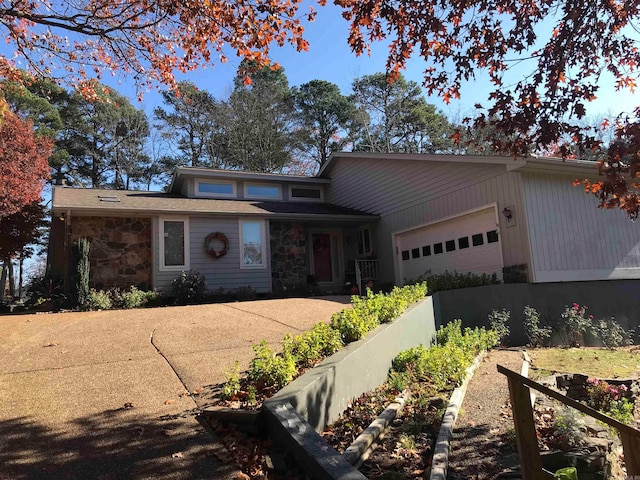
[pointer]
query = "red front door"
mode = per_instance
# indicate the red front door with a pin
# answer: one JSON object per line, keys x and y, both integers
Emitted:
{"x": 322, "y": 257}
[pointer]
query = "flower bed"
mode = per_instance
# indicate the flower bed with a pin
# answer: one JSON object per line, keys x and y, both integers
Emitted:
{"x": 429, "y": 374}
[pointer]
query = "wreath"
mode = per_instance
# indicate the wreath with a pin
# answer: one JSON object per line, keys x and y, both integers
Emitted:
{"x": 210, "y": 249}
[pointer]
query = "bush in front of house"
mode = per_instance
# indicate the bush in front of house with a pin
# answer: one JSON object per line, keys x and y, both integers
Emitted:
{"x": 189, "y": 287}
{"x": 132, "y": 298}
{"x": 438, "y": 282}
{"x": 98, "y": 300}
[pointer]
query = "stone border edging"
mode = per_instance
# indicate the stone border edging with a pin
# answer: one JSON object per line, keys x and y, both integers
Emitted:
{"x": 362, "y": 446}
{"x": 440, "y": 461}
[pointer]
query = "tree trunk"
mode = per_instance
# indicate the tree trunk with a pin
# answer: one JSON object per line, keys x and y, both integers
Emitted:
{"x": 3, "y": 281}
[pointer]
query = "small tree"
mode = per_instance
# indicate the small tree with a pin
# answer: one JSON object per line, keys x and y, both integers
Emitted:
{"x": 83, "y": 269}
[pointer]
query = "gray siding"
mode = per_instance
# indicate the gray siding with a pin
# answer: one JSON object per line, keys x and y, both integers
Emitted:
{"x": 224, "y": 272}
{"x": 408, "y": 194}
{"x": 571, "y": 238}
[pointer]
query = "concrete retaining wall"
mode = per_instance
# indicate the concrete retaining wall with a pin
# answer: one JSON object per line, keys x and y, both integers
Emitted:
{"x": 323, "y": 393}
{"x": 604, "y": 299}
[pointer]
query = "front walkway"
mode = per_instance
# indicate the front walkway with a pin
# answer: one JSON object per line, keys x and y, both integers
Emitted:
{"x": 104, "y": 394}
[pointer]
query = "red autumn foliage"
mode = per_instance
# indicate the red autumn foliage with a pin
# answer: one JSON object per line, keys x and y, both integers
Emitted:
{"x": 23, "y": 164}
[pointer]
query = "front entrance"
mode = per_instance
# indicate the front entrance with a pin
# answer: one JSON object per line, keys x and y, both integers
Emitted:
{"x": 326, "y": 256}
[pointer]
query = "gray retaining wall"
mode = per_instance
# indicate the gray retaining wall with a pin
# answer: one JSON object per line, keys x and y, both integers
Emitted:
{"x": 604, "y": 299}
{"x": 323, "y": 393}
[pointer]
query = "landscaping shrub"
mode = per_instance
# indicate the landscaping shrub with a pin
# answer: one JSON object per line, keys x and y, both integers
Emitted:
{"x": 310, "y": 347}
{"x": 536, "y": 334}
{"x": 498, "y": 321}
{"x": 189, "y": 287}
{"x": 574, "y": 324}
{"x": 98, "y": 300}
{"x": 444, "y": 364}
{"x": 610, "y": 399}
{"x": 132, "y": 298}
{"x": 439, "y": 282}
{"x": 246, "y": 292}
{"x": 269, "y": 370}
{"x": 569, "y": 428}
{"x": 231, "y": 387}
{"x": 612, "y": 334}
{"x": 369, "y": 312}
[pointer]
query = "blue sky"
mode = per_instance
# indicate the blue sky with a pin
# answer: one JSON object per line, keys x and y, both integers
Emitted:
{"x": 330, "y": 58}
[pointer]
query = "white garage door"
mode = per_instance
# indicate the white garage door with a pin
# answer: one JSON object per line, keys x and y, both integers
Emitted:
{"x": 468, "y": 243}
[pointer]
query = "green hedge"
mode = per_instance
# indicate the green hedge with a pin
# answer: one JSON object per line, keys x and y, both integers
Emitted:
{"x": 444, "y": 364}
{"x": 269, "y": 370}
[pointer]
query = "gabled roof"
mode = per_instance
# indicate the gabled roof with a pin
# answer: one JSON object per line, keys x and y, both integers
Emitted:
{"x": 510, "y": 163}
{"x": 90, "y": 201}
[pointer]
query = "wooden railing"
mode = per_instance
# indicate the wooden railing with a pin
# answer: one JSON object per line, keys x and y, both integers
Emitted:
{"x": 365, "y": 270}
{"x": 530, "y": 460}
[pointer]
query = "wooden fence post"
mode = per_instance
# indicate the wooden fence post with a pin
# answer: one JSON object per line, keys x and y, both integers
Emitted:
{"x": 531, "y": 463}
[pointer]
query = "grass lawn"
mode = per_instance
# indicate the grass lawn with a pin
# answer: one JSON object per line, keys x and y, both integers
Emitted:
{"x": 594, "y": 362}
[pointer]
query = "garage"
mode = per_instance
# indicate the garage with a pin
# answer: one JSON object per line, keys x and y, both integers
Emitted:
{"x": 466, "y": 243}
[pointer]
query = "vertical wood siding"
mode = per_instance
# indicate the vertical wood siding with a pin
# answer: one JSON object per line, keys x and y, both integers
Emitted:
{"x": 408, "y": 194}
{"x": 572, "y": 239}
{"x": 224, "y": 272}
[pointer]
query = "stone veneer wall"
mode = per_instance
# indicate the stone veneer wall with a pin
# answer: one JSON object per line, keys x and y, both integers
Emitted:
{"x": 288, "y": 255}
{"x": 120, "y": 253}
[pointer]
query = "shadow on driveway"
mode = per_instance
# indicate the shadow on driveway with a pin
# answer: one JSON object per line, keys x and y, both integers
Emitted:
{"x": 116, "y": 444}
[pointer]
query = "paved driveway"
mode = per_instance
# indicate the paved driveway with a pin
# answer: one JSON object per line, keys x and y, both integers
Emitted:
{"x": 104, "y": 394}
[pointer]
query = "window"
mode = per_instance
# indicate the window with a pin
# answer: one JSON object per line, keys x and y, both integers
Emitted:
{"x": 364, "y": 241}
{"x": 405, "y": 255}
{"x": 253, "y": 244}
{"x": 426, "y": 250}
{"x": 415, "y": 253}
{"x": 255, "y": 190}
{"x": 492, "y": 236}
{"x": 437, "y": 248}
{"x": 477, "y": 239}
{"x": 450, "y": 245}
{"x": 306, "y": 193}
{"x": 463, "y": 243}
{"x": 174, "y": 244}
{"x": 216, "y": 188}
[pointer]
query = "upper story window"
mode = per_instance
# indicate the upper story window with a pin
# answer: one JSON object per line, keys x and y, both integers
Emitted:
{"x": 174, "y": 244}
{"x": 216, "y": 188}
{"x": 306, "y": 194}
{"x": 261, "y": 190}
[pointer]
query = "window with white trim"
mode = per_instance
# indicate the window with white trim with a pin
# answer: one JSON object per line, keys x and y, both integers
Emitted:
{"x": 253, "y": 244}
{"x": 216, "y": 188}
{"x": 364, "y": 241}
{"x": 174, "y": 244}
{"x": 262, "y": 190}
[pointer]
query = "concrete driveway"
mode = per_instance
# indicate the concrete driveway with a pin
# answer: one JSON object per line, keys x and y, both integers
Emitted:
{"x": 105, "y": 395}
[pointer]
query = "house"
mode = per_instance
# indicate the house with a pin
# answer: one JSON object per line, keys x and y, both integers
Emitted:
{"x": 386, "y": 217}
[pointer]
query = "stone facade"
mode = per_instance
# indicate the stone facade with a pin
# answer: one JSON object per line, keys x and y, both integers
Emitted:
{"x": 288, "y": 256}
{"x": 120, "y": 253}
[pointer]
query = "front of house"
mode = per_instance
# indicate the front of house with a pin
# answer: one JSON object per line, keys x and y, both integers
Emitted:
{"x": 270, "y": 232}
{"x": 385, "y": 217}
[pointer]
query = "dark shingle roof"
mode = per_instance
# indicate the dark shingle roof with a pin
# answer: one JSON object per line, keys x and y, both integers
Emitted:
{"x": 120, "y": 202}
